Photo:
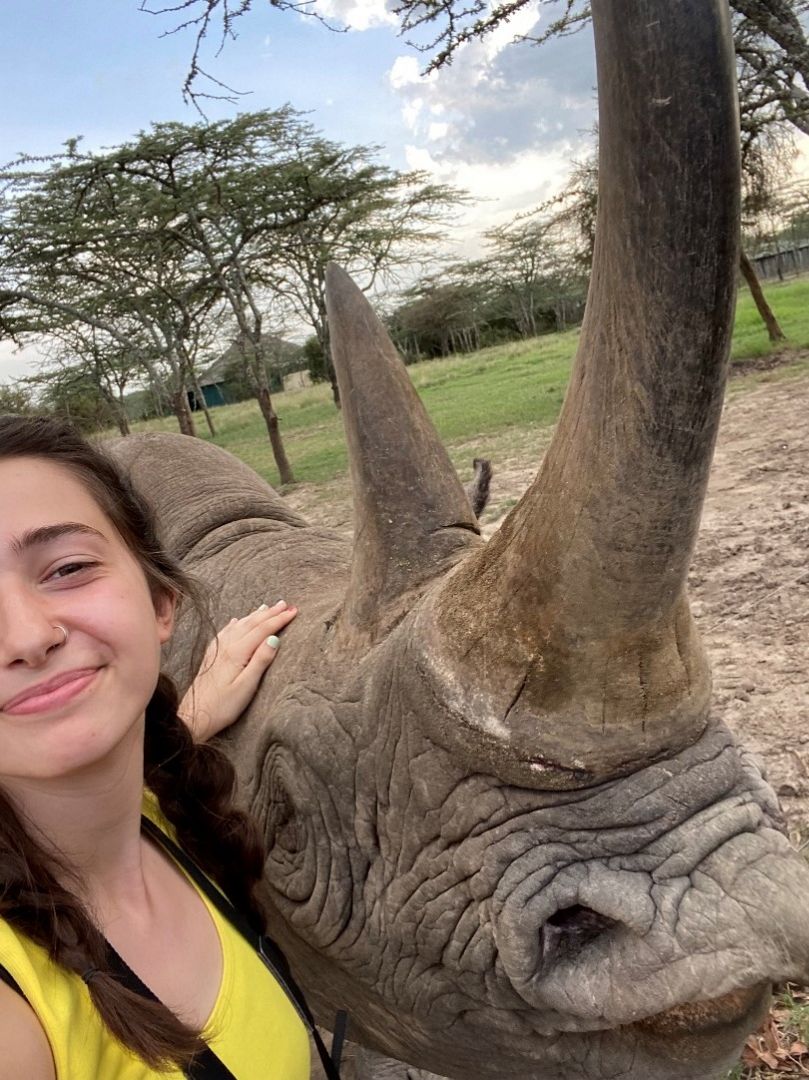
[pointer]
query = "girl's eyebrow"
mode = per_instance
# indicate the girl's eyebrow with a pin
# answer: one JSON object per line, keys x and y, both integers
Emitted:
{"x": 46, "y": 534}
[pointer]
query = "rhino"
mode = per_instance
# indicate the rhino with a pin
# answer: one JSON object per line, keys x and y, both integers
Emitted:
{"x": 505, "y": 829}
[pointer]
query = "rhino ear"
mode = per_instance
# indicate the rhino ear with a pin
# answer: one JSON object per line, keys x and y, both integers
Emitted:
{"x": 412, "y": 518}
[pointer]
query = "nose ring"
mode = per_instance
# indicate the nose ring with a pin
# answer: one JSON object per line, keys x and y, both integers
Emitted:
{"x": 65, "y": 636}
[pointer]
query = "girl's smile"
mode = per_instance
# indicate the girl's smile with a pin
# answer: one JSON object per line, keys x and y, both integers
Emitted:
{"x": 52, "y": 694}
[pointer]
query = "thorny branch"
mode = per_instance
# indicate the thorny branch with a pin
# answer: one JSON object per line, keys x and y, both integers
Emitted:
{"x": 441, "y": 27}
{"x": 219, "y": 16}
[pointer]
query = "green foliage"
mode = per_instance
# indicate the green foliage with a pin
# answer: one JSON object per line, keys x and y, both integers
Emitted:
{"x": 15, "y": 398}
{"x": 75, "y": 396}
{"x": 316, "y": 363}
{"x": 141, "y": 259}
{"x": 239, "y": 384}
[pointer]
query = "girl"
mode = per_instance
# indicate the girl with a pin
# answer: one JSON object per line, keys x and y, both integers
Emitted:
{"x": 117, "y": 962}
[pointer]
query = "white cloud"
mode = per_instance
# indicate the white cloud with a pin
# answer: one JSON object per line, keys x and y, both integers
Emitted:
{"x": 500, "y": 189}
{"x": 498, "y": 100}
{"x": 410, "y": 113}
{"x": 405, "y": 72}
{"x": 520, "y": 24}
{"x": 357, "y": 14}
{"x": 502, "y": 122}
{"x": 16, "y": 363}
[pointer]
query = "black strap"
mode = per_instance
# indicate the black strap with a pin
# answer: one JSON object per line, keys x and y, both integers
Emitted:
{"x": 266, "y": 948}
{"x": 206, "y": 1065}
{"x": 9, "y": 980}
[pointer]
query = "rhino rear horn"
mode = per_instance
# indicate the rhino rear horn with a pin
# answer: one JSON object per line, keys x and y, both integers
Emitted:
{"x": 412, "y": 518}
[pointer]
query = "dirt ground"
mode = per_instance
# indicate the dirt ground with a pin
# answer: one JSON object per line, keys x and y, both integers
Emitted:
{"x": 749, "y": 582}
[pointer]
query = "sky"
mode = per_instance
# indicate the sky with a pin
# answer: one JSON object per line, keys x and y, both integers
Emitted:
{"x": 504, "y": 121}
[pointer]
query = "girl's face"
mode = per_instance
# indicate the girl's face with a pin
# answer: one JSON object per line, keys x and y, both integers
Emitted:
{"x": 65, "y": 706}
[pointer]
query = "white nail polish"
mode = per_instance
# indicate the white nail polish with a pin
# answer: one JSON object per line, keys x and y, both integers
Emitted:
{"x": 262, "y": 607}
{"x": 273, "y": 641}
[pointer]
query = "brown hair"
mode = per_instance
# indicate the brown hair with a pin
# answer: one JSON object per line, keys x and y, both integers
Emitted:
{"x": 194, "y": 783}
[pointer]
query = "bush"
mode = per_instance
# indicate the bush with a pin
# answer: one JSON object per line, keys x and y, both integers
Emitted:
{"x": 316, "y": 363}
{"x": 15, "y": 399}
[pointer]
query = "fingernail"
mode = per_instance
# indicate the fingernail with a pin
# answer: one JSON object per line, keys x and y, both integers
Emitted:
{"x": 261, "y": 607}
{"x": 234, "y": 619}
{"x": 273, "y": 641}
{"x": 280, "y": 603}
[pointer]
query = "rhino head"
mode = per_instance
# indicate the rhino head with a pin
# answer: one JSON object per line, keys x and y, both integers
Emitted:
{"x": 504, "y": 829}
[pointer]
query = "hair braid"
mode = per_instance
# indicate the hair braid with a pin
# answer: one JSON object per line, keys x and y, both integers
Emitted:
{"x": 194, "y": 784}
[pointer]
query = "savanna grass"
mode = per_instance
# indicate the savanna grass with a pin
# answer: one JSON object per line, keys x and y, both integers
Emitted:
{"x": 499, "y": 398}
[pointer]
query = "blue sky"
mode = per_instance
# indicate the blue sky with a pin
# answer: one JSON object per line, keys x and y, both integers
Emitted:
{"x": 100, "y": 68}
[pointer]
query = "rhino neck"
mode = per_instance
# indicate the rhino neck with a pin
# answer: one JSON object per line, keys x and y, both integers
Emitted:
{"x": 195, "y": 488}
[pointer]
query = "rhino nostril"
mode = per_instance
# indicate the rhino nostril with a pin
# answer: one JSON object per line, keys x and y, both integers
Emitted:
{"x": 570, "y": 929}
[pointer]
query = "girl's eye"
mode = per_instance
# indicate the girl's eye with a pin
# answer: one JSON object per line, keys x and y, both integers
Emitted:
{"x": 69, "y": 570}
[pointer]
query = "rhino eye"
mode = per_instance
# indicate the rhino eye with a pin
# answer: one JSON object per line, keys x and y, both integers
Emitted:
{"x": 284, "y": 829}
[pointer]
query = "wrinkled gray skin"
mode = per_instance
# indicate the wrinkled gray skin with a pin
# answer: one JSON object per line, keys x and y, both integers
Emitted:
{"x": 505, "y": 831}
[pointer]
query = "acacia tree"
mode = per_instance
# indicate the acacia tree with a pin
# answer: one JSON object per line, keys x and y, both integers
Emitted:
{"x": 240, "y": 193}
{"x": 535, "y": 269}
{"x": 382, "y": 222}
{"x": 78, "y": 249}
{"x": 157, "y": 232}
{"x": 90, "y": 356}
{"x": 443, "y": 313}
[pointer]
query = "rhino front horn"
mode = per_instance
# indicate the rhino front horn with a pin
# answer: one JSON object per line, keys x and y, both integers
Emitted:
{"x": 588, "y": 663}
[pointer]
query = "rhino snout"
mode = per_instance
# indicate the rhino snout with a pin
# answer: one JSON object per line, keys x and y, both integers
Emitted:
{"x": 617, "y": 940}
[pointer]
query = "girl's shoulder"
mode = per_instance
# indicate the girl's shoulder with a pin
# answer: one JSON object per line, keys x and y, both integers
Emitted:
{"x": 26, "y": 1049}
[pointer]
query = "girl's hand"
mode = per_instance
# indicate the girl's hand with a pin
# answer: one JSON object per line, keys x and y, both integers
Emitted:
{"x": 232, "y": 668}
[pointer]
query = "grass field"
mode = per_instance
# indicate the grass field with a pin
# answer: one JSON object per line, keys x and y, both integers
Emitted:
{"x": 507, "y": 390}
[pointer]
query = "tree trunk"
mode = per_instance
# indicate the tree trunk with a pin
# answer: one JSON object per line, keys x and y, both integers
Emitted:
{"x": 765, "y": 311}
{"x": 271, "y": 420}
{"x": 121, "y": 415}
{"x": 203, "y": 404}
{"x": 325, "y": 345}
{"x": 122, "y": 421}
{"x": 255, "y": 369}
{"x": 157, "y": 399}
{"x": 183, "y": 412}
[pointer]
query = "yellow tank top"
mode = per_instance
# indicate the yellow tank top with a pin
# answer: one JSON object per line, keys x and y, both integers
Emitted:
{"x": 253, "y": 1027}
